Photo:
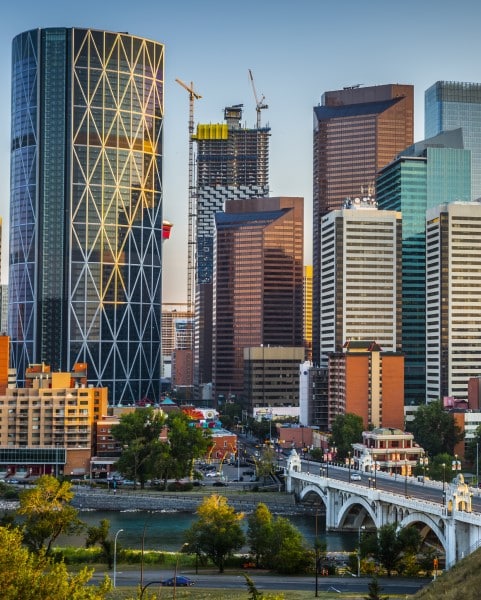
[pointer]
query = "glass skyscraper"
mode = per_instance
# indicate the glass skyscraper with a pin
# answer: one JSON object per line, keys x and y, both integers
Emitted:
{"x": 449, "y": 105}
{"x": 424, "y": 175}
{"x": 86, "y": 206}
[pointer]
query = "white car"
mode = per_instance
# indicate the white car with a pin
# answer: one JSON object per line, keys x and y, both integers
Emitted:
{"x": 212, "y": 474}
{"x": 355, "y": 477}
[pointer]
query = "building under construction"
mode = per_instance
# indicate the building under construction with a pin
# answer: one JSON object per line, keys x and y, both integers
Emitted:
{"x": 232, "y": 163}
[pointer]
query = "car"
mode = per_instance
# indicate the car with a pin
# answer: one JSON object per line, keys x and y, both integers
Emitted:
{"x": 355, "y": 477}
{"x": 219, "y": 484}
{"x": 178, "y": 581}
{"x": 248, "y": 473}
{"x": 13, "y": 481}
{"x": 212, "y": 474}
{"x": 198, "y": 483}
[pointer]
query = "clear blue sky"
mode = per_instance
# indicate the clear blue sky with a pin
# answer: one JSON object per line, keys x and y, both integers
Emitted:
{"x": 296, "y": 51}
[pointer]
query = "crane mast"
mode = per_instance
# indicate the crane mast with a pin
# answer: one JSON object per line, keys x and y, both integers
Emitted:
{"x": 193, "y": 96}
{"x": 260, "y": 104}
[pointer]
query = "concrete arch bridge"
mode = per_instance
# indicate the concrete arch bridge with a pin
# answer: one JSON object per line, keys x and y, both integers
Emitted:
{"x": 350, "y": 505}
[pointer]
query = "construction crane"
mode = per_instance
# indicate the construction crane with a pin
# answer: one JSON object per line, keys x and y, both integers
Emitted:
{"x": 260, "y": 105}
{"x": 193, "y": 96}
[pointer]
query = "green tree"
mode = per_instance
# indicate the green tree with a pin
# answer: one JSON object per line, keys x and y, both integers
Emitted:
{"x": 100, "y": 535}
{"x": 33, "y": 576}
{"x": 287, "y": 552}
{"x": 389, "y": 545}
{"x": 259, "y": 533}
{"x": 265, "y": 463}
{"x": 47, "y": 513}
{"x": 375, "y": 591}
{"x": 217, "y": 533}
{"x": 139, "y": 433}
{"x": 435, "y": 429}
{"x": 186, "y": 443}
{"x": 346, "y": 430}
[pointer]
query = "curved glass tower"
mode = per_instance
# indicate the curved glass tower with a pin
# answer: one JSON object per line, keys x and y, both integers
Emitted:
{"x": 86, "y": 206}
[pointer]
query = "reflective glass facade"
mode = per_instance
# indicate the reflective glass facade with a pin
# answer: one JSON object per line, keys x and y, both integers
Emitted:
{"x": 357, "y": 131}
{"x": 451, "y": 104}
{"x": 421, "y": 178}
{"x": 86, "y": 206}
{"x": 258, "y": 284}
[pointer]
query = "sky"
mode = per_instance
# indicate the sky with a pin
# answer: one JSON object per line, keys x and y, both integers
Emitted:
{"x": 295, "y": 50}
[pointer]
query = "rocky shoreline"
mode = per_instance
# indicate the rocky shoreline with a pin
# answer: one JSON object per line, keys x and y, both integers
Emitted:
{"x": 278, "y": 503}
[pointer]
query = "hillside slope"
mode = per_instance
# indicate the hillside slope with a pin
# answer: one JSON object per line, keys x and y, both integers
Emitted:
{"x": 462, "y": 582}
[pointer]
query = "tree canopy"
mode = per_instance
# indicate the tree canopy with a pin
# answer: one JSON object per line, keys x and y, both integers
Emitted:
{"x": 34, "y": 576}
{"x": 435, "y": 429}
{"x": 145, "y": 455}
{"x": 48, "y": 513}
{"x": 389, "y": 545}
{"x": 217, "y": 533}
{"x": 346, "y": 430}
{"x": 276, "y": 544}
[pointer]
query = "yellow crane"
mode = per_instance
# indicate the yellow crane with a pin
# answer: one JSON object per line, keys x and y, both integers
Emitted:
{"x": 260, "y": 104}
{"x": 193, "y": 96}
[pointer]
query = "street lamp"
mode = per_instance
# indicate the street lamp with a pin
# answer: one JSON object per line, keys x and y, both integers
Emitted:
{"x": 444, "y": 482}
{"x": 424, "y": 461}
{"x": 405, "y": 478}
{"x": 349, "y": 464}
{"x": 115, "y": 556}
{"x": 359, "y": 550}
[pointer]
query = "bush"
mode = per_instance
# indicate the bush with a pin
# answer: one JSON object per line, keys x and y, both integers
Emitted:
{"x": 178, "y": 486}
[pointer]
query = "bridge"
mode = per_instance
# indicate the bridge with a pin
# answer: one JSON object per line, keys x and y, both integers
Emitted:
{"x": 353, "y": 505}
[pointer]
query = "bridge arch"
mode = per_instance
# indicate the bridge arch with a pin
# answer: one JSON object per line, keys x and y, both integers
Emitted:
{"x": 348, "y": 503}
{"x": 316, "y": 490}
{"x": 417, "y": 517}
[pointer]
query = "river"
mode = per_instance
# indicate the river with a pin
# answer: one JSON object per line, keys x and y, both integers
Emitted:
{"x": 163, "y": 530}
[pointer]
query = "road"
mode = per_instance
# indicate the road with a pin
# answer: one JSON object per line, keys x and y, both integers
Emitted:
{"x": 267, "y": 582}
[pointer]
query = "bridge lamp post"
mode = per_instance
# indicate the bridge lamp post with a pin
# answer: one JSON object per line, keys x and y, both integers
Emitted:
{"x": 405, "y": 478}
{"x": 359, "y": 550}
{"x": 349, "y": 464}
{"x": 424, "y": 461}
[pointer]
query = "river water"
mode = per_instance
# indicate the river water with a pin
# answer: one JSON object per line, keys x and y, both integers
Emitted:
{"x": 162, "y": 530}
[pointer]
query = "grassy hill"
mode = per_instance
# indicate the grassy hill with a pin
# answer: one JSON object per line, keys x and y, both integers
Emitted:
{"x": 462, "y": 582}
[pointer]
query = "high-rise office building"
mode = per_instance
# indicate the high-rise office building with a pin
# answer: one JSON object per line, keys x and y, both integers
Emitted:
{"x": 357, "y": 131}
{"x": 449, "y": 105}
{"x": 360, "y": 268}
{"x": 86, "y": 206}
{"x": 232, "y": 163}
{"x": 453, "y": 290}
{"x": 437, "y": 170}
{"x": 258, "y": 284}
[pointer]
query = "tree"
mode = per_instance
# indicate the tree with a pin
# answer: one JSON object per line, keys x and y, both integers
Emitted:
{"x": 217, "y": 533}
{"x": 254, "y": 594}
{"x": 48, "y": 513}
{"x": 28, "y": 576}
{"x": 388, "y": 545}
{"x": 186, "y": 443}
{"x": 265, "y": 463}
{"x": 346, "y": 430}
{"x": 435, "y": 429}
{"x": 375, "y": 591}
{"x": 277, "y": 544}
{"x": 100, "y": 535}
{"x": 259, "y": 533}
{"x": 139, "y": 432}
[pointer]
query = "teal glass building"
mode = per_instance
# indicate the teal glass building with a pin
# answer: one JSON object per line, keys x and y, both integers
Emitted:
{"x": 449, "y": 105}
{"x": 425, "y": 175}
{"x": 86, "y": 206}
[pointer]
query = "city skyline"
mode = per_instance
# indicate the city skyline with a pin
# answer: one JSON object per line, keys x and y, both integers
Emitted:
{"x": 296, "y": 53}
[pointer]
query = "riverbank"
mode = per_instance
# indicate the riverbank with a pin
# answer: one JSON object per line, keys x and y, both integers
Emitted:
{"x": 98, "y": 499}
